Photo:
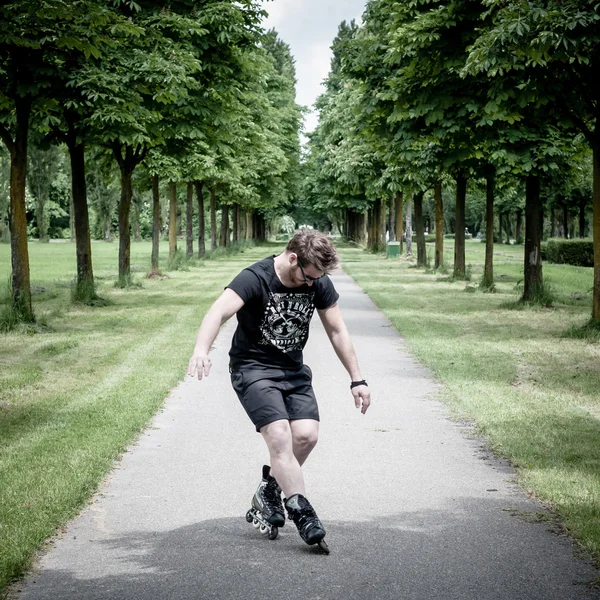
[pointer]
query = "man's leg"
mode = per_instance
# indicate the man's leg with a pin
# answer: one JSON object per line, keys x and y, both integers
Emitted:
{"x": 285, "y": 467}
{"x": 305, "y": 434}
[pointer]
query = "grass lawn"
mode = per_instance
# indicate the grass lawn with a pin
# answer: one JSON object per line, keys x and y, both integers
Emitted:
{"x": 73, "y": 398}
{"x": 534, "y": 393}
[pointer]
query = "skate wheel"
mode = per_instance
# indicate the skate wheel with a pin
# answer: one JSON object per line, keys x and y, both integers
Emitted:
{"x": 249, "y": 517}
{"x": 324, "y": 547}
{"x": 263, "y": 529}
{"x": 273, "y": 533}
{"x": 255, "y": 524}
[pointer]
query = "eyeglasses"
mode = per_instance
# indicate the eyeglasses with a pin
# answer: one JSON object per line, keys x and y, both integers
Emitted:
{"x": 308, "y": 277}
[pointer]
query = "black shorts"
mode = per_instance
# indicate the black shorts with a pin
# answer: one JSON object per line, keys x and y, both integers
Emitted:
{"x": 270, "y": 395}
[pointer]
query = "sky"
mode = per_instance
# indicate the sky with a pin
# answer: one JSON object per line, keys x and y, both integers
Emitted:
{"x": 309, "y": 27}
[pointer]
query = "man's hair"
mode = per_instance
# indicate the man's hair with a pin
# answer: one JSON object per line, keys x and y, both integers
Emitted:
{"x": 314, "y": 248}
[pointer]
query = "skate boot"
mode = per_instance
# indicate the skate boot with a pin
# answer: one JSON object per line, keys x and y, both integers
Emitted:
{"x": 267, "y": 512}
{"x": 309, "y": 526}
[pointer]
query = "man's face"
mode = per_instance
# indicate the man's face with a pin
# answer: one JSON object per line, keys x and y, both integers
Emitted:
{"x": 301, "y": 274}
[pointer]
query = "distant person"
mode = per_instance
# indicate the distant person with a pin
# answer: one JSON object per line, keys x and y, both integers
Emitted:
{"x": 275, "y": 300}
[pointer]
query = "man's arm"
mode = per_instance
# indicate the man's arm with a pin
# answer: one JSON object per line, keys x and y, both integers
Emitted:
{"x": 228, "y": 303}
{"x": 342, "y": 344}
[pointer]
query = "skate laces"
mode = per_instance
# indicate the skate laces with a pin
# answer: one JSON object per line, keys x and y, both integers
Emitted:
{"x": 272, "y": 496}
{"x": 305, "y": 518}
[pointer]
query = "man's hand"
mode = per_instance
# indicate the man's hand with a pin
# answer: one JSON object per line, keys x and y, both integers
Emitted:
{"x": 199, "y": 363}
{"x": 362, "y": 397}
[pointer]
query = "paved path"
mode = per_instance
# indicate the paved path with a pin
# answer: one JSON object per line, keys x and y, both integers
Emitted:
{"x": 415, "y": 507}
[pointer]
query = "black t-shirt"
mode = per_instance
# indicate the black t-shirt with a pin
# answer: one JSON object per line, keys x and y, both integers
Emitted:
{"x": 273, "y": 323}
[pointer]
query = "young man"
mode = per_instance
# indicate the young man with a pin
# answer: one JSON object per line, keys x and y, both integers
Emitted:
{"x": 274, "y": 300}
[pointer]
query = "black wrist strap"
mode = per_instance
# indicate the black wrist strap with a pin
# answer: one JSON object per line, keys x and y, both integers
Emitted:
{"x": 357, "y": 383}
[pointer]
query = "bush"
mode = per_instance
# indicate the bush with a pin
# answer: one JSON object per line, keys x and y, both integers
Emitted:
{"x": 429, "y": 238}
{"x": 579, "y": 253}
{"x": 452, "y": 236}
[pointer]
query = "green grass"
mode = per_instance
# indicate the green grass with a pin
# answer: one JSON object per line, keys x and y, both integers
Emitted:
{"x": 75, "y": 393}
{"x": 528, "y": 378}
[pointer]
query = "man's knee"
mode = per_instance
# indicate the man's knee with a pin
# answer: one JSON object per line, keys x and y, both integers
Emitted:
{"x": 278, "y": 436}
{"x": 306, "y": 436}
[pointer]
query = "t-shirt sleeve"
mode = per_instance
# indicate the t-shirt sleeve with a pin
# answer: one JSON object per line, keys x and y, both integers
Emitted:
{"x": 326, "y": 295}
{"x": 246, "y": 285}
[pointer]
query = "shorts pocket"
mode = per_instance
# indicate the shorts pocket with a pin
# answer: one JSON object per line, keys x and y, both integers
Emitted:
{"x": 237, "y": 381}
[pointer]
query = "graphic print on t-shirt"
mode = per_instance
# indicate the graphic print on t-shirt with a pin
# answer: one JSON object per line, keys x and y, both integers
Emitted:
{"x": 286, "y": 321}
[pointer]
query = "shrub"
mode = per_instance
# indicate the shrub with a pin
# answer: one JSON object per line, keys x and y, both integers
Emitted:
{"x": 452, "y": 236}
{"x": 429, "y": 238}
{"x": 579, "y": 253}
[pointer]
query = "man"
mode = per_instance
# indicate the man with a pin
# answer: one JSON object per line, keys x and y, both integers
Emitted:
{"x": 274, "y": 300}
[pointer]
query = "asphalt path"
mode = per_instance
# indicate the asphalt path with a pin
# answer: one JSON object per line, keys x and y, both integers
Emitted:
{"x": 415, "y": 507}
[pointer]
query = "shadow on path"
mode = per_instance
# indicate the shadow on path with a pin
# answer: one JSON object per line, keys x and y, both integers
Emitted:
{"x": 427, "y": 555}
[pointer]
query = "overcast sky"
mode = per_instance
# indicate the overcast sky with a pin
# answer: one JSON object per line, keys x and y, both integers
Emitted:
{"x": 309, "y": 27}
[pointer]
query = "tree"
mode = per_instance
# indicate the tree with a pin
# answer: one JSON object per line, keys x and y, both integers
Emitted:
{"x": 553, "y": 48}
{"x": 142, "y": 94}
{"x": 35, "y": 47}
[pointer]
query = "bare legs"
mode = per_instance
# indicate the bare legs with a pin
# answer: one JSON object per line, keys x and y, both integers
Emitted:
{"x": 290, "y": 443}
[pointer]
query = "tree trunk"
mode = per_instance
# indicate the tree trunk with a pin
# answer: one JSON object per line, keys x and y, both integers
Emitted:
{"x": 400, "y": 219}
{"x": 552, "y": 222}
{"x": 242, "y": 225}
{"x": 420, "y": 228}
{"x": 439, "y": 226}
{"x": 596, "y": 231}
{"x": 107, "y": 226}
{"x": 236, "y": 223}
{"x": 582, "y": 206}
{"x": 490, "y": 190}
{"x": 72, "y": 220}
{"x": 124, "y": 229}
{"x": 83, "y": 244}
{"x": 518, "y": 232}
{"x": 565, "y": 219}
{"x": 213, "y": 218}
{"x": 500, "y": 227}
{"x": 249, "y": 224}
{"x": 201, "y": 222}
{"x": 189, "y": 221}
{"x": 349, "y": 223}
{"x": 507, "y": 227}
{"x": 224, "y": 242}
{"x": 127, "y": 164}
{"x": 258, "y": 226}
{"x": 375, "y": 233}
{"x": 459, "y": 234}
{"x": 136, "y": 219}
{"x": 408, "y": 227}
{"x": 179, "y": 213}
{"x": 533, "y": 280}
{"x": 172, "y": 220}
{"x": 155, "y": 224}
{"x": 382, "y": 225}
{"x": 392, "y": 221}
{"x": 21, "y": 290}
